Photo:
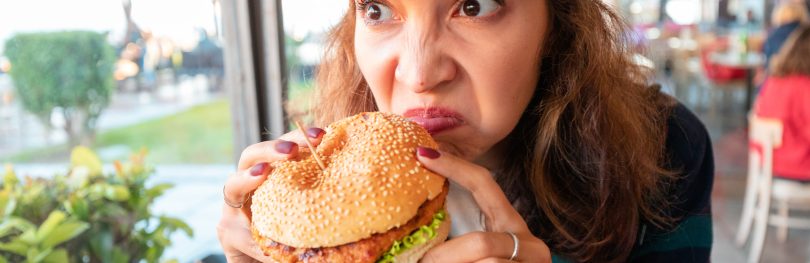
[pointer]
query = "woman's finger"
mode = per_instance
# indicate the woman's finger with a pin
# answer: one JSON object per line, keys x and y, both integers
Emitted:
{"x": 484, "y": 246}
{"x": 314, "y": 135}
{"x": 286, "y": 147}
{"x": 476, "y": 246}
{"x": 239, "y": 185}
{"x": 501, "y": 216}
{"x": 495, "y": 260}
{"x": 267, "y": 152}
{"x": 234, "y": 235}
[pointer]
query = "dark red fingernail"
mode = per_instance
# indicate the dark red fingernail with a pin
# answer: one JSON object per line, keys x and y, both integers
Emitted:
{"x": 314, "y": 133}
{"x": 427, "y": 152}
{"x": 259, "y": 169}
{"x": 285, "y": 147}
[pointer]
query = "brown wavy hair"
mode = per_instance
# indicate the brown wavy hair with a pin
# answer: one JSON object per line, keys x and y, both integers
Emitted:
{"x": 792, "y": 59}
{"x": 590, "y": 145}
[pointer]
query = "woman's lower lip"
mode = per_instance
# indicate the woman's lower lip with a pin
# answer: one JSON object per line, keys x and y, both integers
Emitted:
{"x": 437, "y": 124}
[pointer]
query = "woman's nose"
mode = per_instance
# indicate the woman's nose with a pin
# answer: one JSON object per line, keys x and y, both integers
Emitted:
{"x": 423, "y": 65}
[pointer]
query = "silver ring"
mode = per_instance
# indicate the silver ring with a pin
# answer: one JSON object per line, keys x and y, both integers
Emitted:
{"x": 234, "y": 205}
{"x": 517, "y": 244}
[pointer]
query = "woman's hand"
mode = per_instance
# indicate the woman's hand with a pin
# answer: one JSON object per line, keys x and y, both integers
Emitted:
{"x": 233, "y": 229}
{"x": 495, "y": 245}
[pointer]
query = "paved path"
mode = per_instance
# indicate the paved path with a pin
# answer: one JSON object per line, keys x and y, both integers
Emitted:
{"x": 19, "y": 130}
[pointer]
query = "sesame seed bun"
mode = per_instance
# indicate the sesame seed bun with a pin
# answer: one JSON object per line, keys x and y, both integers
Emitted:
{"x": 372, "y": 183}
{"x": 372, "y": 249}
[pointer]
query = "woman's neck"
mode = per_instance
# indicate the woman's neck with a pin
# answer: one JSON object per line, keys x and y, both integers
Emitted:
{"x": 493, "y": 159}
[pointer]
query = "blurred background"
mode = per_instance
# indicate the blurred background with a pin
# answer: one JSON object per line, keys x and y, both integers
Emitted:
{"x": 175, "y": 89}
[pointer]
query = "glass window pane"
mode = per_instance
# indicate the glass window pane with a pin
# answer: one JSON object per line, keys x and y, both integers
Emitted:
{"x": 121, "y": 78}
{"x": 306, "y": 23}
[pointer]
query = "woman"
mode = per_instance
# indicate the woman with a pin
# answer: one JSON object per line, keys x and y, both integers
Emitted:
{"x": 539, "y": 113}
{"x": 786, "y": 97}
{"x": 786, "y": 18}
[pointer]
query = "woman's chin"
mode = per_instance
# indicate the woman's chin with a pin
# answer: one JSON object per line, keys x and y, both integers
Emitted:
{"x": 465, "y": 146}
{"x": 457, "y": 150}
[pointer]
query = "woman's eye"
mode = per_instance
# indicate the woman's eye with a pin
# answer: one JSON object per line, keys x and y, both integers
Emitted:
{"x": 475, "y": 8}
{"x": 377, "y": 12}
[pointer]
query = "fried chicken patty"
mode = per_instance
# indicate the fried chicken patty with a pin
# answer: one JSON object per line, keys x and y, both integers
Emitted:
{"x": 366, "y": 250}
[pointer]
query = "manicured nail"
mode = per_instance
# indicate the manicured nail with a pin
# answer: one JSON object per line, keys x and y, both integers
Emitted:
{"x": 427, "y": 152}
{"x": 314, "y": 133}
{"x": 259, "y": 169}
{"x": 285, "y": 147}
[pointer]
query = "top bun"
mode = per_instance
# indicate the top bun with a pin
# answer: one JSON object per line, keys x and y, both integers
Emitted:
{"x": 372, "y": 183}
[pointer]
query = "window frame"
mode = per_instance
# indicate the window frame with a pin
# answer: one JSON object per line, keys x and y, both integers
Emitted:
{"x": 255, "y": 69}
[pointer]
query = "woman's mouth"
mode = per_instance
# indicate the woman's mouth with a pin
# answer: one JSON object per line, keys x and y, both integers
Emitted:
{"x": 435, "y": 120}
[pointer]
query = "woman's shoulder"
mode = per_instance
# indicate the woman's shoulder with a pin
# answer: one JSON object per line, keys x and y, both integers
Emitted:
{"x": 684, "y": 127}
{"x": 780, "y": 94}
{"x": 689, "y": 154}
{"x": 776, "y": 37}
{"x": 795, "y": 80}
{"x": 783, "y": 31}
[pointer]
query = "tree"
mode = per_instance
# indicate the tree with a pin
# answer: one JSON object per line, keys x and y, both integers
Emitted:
{"x": 70, "y": 73}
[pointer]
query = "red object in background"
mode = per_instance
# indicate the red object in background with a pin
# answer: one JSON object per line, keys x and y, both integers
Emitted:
{"x": 788, "y": 99}
{"x": 719, "y": 74}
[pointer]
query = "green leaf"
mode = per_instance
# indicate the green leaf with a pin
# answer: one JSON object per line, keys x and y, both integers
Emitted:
{"x": 7, "y": 204}
{"x": 96, "y": 191}
{"x": 160, "y": 238}
{"x": 14, "y": 223}
{"x": 57, "y": 256}
{"x": 32, "y": 193}
{"x": 68, "y": 206}
{"x": 54, "y": 219}
{"x": 31, "y": 255}
{"x": 111, "y": 210}
{"x": 177, "y": 224}
{"x": 153, "y": 254}
{"x": 16, "y": 246}
{"x": 116, "y": 193}
{"x": 65, "y": 232}
{"x": 78, "y": 177}
{"x": 84, "y": 157}
{"x": 77, "y": 207}
{"x": 101, "y": 244}
{"x": 38, "y": 256}
{"x": 158, "y": 190}
{"x": 3, "y": 259}
{"x": 9, "y": 178}
{"x": 29, "y": 236}
{"x": 119, "y": 256}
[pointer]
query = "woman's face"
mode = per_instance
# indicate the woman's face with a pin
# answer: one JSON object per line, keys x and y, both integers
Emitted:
{"x": 463, "y": 69}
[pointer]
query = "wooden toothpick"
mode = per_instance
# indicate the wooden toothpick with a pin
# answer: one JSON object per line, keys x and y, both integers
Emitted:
{"x": 309, "y": 144}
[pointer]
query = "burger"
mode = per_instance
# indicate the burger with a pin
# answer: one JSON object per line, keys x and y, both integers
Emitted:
{"x": 372, "y": 201}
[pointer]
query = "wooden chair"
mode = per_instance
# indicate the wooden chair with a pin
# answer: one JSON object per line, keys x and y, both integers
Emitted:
{"x": 762, "y": 188}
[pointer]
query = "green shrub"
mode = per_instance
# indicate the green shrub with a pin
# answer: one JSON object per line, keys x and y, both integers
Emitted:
{"x": 85, "y": 215}
{"x": 71, "y": 71}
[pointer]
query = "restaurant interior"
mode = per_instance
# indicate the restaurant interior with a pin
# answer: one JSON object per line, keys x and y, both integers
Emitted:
{"x": 715, "y": 62}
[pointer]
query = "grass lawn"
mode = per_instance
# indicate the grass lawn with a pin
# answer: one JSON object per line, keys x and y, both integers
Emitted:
{"x": 201, "y": 134}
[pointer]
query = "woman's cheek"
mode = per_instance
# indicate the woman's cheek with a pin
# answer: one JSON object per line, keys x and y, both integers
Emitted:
{"x": 376, "y": 57}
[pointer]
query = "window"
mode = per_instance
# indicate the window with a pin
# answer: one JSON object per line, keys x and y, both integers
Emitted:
{"x": 306, "y": 23}
{"x": 193, "y": 82}
{"x": 118, "y": 77}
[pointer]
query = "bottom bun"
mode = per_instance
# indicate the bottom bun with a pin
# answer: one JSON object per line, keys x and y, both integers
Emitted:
{"x": 413, "y": 254}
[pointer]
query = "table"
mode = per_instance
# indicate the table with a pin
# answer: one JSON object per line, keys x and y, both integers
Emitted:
{"x": 749, "y": 61}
